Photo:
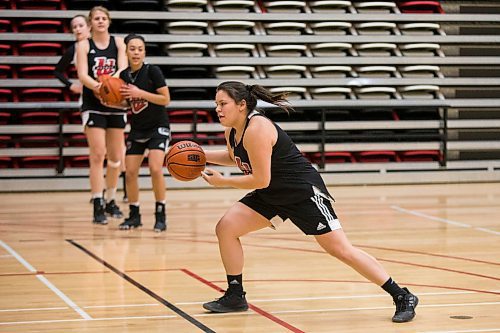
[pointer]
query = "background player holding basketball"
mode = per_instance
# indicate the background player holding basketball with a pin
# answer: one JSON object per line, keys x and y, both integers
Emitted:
{"x": 286, "y": 185}
{"x": 104, "y": 126}
{"x": 147, "y": 95}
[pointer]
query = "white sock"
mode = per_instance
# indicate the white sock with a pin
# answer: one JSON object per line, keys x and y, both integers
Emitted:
{"x": 110, "y": 194}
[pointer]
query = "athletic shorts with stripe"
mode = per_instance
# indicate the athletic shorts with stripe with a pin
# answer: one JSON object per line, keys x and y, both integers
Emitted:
{"x": 314, "y": 216}
{"x": 137, "y": 142}
{"x": 104, "y": 120}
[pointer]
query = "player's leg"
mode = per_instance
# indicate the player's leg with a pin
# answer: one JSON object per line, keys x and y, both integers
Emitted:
{"x": 114, "y": 146}
{"x": 239, "y": 220}
{"x": 134, "y": 160}
{"x": 96, "y": 140}
{"x": 156, "y": 161}
{"x": 336, "y": 243}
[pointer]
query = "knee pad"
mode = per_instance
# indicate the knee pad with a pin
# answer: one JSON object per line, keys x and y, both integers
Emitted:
{"x": 113, "y": 164}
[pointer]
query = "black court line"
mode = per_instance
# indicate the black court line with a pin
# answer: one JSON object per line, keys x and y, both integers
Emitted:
{"x": 144, "y": 289}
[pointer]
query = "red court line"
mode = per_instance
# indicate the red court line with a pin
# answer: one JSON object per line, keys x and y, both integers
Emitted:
{"x": 253, "y": 307}
{"x": 395, "y": 250}
{"x": 380, "y": 259}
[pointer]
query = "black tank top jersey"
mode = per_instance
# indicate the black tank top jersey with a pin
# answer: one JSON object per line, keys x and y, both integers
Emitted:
{"x": 292, "y": 175}
{"x": 146, "y": 116}
{"x": 100, "y": 62}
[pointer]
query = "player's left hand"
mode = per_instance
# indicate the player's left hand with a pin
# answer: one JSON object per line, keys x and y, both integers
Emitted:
{"x": 213, "y": 177}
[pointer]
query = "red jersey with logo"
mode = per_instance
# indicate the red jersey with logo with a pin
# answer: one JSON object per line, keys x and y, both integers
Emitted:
{"x": 100, "y": 62}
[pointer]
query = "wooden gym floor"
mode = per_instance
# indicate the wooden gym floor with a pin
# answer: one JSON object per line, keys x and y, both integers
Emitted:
{"x": 60, "y": 273}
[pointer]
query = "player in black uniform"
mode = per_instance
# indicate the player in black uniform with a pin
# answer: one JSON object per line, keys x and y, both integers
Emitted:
{"x": 81, "y": 30}
{"x": 286, "y": 186}
{"x": 147, "y": 94}
{"x": 104, "y": 126}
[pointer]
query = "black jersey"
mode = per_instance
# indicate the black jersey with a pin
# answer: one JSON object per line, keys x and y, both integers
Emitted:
{"x": 293, "y": 178}
{"x": 146, "y": 116}
{"x": 100, "y": 62}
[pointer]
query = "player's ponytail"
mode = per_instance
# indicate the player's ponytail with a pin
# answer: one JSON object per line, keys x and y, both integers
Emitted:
{"x": 251, "y": 93}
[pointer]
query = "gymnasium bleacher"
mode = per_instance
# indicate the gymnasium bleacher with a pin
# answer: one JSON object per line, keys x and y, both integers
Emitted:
{"x": 384, "y": 91}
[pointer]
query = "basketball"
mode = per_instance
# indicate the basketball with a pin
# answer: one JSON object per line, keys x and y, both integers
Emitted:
{"x": 185, "y": 160}
{"x": 110, "y": 89}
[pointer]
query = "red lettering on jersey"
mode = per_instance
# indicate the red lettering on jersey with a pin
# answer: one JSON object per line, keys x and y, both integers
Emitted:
{"x": 245, "y": 167}
{"x": 103, "y": 66}
{"x": 138, "y": 104}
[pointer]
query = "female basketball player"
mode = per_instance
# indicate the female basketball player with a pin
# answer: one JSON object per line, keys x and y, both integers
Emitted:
{"x": 147, "y": 95}
{"x": 286, "y": 186}
{"x": 104, "y": 126}
{"x": 81, "y": 30}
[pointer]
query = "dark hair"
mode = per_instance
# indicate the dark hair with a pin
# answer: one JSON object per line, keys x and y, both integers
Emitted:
{"x": 251, "y": 93}
{"x": 129, "y": 37}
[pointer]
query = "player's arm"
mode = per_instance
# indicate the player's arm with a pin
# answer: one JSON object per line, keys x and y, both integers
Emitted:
{"x": 221, "y": 156}
{"x": 82, "y": 68}
{"x": 122, "y": 60}
{"x": 162, "y": 95}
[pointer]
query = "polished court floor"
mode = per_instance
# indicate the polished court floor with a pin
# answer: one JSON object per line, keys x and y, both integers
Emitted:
{"x": 61, "y": 273}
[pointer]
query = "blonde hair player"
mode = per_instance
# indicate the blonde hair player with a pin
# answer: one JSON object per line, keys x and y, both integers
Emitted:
{"x": 102, "y": 54}
{"x": 285, "y": 185}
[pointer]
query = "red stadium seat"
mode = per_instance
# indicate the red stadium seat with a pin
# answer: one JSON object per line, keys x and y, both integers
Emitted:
{"x": 7, "y": 162}
{"x": 40, "y": 49}
{"x": 6, "y": 71}
{"x": 420, "y": 156}
{"x": 39, "y": 162}
{"x": 7, "y": 95}
{"x": 41, "y": 95}
{"x": 39, "y": 117}
{"x": 38, "y": 141}
{"x": 41, "y": 26}
{"x": 332, "y": 157}
{"x": 377, "y": 156}
{"x": 187, "y": 116}
{"x": 7, "y": 49}
{"x": 5, "y": 140}
{"x": 6, "y": 4}
{"x": 79, "y": 162}
{"x": 420, "y": 7}
{"x": 36, "y": 72}
{"x": 6, "y": 26}
{"x": 4, "y": 118}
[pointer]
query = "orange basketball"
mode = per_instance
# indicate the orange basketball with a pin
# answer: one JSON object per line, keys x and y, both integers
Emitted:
{"x": 185, "y": 160}
{"x": 110, "y": 89}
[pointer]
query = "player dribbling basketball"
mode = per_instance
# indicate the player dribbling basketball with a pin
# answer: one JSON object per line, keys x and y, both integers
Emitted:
{"x": 285, "y": 185}
{"x": 147, "y": 94}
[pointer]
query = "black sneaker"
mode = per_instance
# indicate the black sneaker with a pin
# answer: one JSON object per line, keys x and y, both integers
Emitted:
{"x": 405, "y": 307}
{"x": 131, "y": 222}
{"x": 113, "y": 210}
{"x": 230, "y": 302}
{"x": 99, "y": 215}
{"x": 160, "y": 222}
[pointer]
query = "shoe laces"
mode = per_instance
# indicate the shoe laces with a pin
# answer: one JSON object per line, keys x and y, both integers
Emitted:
{"x": 405, "y": 302}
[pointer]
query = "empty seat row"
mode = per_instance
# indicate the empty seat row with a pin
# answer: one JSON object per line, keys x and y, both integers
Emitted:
{"x": 375, "y": 156}
{"x": 233, "y": 5}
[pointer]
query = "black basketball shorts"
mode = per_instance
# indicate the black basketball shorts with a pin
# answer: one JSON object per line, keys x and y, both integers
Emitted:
{"x": 158, "y": 139}
{"x": 104, "y": 120}
{"x": 314, "y": 216}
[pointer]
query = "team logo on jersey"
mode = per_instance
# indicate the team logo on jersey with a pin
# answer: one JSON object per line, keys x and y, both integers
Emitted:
{"x": 245, "y": 167}
{"x": 138, "y": 104}
{"x": 103, "y": 66}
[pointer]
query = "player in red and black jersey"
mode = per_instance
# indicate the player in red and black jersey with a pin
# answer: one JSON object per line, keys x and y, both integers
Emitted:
{"x": 147, "y": 94}
{"x": 104, "y": 125}
{"x": 285, "y": 186}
